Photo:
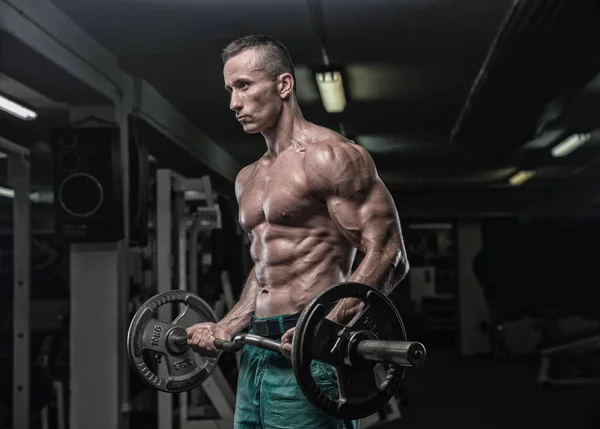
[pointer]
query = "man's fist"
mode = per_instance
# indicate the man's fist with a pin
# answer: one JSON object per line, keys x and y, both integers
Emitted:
{"x": 202, "y": 335}
{"x": 286, "y": 343}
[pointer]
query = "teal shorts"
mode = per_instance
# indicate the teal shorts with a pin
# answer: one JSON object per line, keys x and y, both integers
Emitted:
{"x": 268, "y": 396}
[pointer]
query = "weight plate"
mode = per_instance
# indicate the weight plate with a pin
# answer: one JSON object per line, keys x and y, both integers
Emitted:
{"x": 149, "y": 340}
{"x": 362, "y": 390}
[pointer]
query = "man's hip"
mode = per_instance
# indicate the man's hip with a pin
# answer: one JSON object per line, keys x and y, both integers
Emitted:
{"x": 268, "y": 396}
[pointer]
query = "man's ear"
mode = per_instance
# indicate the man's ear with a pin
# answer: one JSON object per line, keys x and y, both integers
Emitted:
{"x": 286, "y": 85}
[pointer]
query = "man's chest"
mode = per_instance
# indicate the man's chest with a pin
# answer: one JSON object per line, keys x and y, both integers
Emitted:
{"x": 277, "y": 193}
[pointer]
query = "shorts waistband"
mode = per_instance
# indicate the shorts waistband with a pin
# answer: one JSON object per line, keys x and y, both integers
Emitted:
{"x": 274, "y": 326}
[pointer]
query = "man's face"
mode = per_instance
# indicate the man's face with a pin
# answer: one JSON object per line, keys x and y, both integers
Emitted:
{"x": 255, "y": 97}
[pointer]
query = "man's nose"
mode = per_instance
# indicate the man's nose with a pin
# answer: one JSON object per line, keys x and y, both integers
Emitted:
{"x": 235, "y": 103}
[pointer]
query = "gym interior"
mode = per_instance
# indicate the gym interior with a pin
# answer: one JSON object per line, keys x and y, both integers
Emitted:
{"x": 118, "y": 155}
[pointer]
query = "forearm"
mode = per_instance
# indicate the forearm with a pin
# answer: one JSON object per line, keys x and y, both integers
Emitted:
{"x": 239, "y": 316}
{"x": 380, "y": 269}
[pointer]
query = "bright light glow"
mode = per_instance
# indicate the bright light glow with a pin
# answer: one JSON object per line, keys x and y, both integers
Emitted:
{"x": 44, "y": 197}
{"x": 521, "y": 177}
{"x": 16, "y": 109}
{"x": 331, "y": 89}
{"x": 35, "y": 197}
{"x": 6, "y": 192}
{"x": 2, "y": 155}
{"x": 570, "y": 144}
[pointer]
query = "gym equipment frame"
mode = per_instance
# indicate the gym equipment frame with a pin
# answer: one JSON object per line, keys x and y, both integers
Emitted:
{"x": 19, "y": 176}
{"x": 175, "y": 225}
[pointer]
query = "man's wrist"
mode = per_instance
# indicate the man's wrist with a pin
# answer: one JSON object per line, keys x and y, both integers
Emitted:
{"x": 345, "y": 310}
{"x": 225, "y": 328}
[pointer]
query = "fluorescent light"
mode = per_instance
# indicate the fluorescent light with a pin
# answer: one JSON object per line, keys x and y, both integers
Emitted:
{"x": 35, "y": 197}
{"x": 45, "y": 197}
{"x": 570, "y": 144}
{"x": 16, "y": 109}
{"x": 521, "y": 177}
{"x": 542, "y": 141}
{"x": 6, "y": 192}
{"x": 331, "y": 89}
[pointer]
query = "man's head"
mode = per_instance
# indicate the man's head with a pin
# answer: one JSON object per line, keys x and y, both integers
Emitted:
{"x": 259, "y": 75}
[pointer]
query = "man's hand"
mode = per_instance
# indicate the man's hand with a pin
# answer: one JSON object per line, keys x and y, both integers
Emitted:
{"x": 286, "y": 343}
{"x": 202, "y": 335}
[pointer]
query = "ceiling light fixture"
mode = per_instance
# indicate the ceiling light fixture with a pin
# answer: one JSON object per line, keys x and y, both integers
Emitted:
{"x": 521, "y": 177}
{"x": 17, "y": 110}
{"x": 570, "y": 144}
{"x": 35, "y": 197}
{"x": 331, "y": 88}
{"x": 7, "y": 192}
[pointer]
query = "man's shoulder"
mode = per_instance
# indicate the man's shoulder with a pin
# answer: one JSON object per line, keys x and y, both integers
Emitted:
{"x": 338, "y": 165}
{"x": 243, "y": 175}
{"x": 322, "y": 137}
{"x": 251, "y": 168}
{"x": 247, "y": 170}
{"x": 334, "y": 150}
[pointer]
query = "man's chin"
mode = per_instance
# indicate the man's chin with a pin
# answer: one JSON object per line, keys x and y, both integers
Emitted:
{"x": 250, "y": 128}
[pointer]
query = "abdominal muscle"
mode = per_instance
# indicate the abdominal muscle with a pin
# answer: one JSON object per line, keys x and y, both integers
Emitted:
{"x": 293, "y": 264}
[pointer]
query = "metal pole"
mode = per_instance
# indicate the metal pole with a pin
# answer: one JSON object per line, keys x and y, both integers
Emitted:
{"x": 180, "y": 228}
{"x": 165, "y": 275}
{"x": 180, "y": 231}
{"x": 193, "y": 257}
{"x": 19, "y": 174}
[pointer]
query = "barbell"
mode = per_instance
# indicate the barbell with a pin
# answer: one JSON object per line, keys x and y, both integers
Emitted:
{"x": 375, "y": 336}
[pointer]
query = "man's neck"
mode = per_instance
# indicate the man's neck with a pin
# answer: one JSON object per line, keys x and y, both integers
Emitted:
{"x": 288, "y": 132}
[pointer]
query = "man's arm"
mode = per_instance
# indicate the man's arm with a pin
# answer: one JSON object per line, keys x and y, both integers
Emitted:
{"x": 345, "y": 178}
{"x": 203, "y": 334}
{"x": 239, "y": 316}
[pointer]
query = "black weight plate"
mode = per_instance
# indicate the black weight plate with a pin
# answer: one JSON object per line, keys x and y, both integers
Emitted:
{"x": 147, "y": 337}
{"x": 360, "y": 392}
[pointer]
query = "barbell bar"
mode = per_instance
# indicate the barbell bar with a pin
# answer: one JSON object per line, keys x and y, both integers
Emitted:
{"x": 406, "y": 353}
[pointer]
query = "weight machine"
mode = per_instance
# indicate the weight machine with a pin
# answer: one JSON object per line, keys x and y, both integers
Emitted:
{"x": 28, "y": 316}
{"x": 570, "y": 346}
{"x": 177, "y": 235}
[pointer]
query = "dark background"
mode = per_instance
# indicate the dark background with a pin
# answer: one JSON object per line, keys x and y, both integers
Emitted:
{"x": 450, "y": 97}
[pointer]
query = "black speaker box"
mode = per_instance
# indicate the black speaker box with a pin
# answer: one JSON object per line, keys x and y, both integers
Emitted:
{"x": 88, "y": 184}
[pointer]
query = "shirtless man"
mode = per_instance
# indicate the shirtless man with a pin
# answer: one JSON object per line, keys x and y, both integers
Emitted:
{"x": 307, "y": 204}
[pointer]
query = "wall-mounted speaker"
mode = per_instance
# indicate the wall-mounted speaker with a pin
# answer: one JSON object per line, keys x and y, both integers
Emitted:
{"x": 88, "y": 184}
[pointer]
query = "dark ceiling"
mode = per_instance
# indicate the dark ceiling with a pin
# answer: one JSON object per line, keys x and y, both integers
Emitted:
{"x": 451, "y": 97}
{"x": 408, "y": 64}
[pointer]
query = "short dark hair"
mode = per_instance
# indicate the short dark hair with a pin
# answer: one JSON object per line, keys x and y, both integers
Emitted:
{"x": 276, "y": 58}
